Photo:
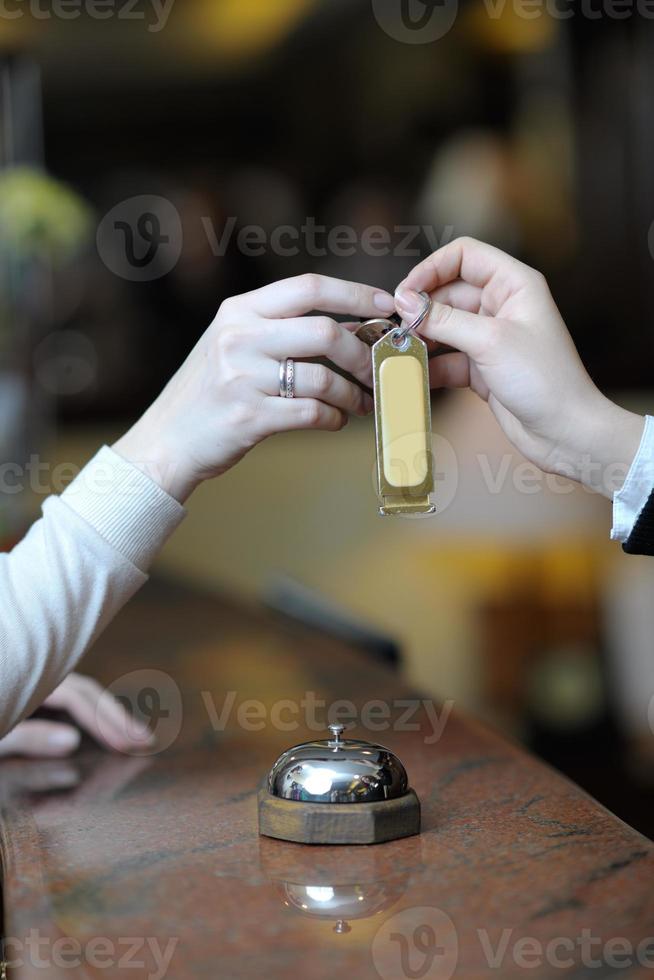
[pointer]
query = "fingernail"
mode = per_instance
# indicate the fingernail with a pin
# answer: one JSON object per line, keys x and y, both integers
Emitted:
{"x": 65, "y": 739}
{"x": 409, "y": 303}
{"x": 368, "y": 404}
{"x": 385, "y": 302}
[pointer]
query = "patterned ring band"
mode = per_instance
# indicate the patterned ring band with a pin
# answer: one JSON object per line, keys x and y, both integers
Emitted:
{"x": 287, "y": 378}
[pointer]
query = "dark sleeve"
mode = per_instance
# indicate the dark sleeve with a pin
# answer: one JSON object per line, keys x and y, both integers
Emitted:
{"x": 641, "y": 539}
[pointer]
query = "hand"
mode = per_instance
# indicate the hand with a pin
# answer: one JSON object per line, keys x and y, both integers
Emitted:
{"x": 92, "y": 708}
{"x": 225, "y": 397}
{"x": 516, "y": 354}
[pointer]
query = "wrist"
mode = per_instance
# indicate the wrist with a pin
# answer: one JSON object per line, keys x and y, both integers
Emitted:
{"x": 144, "y": 447}
{"x": 607, "y": 446}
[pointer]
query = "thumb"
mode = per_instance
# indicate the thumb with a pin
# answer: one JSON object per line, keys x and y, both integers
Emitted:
{"x": 457, "y": 328}
{"x": 40, "y": 739}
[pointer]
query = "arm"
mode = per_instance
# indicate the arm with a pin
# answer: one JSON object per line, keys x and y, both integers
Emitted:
{"x": 92, "y": 548}
{"x": 71, "y": 574}
{"x": 515, "y": 352}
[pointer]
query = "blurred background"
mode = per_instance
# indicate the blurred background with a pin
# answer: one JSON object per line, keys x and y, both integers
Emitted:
{"x": 157, "y": 157}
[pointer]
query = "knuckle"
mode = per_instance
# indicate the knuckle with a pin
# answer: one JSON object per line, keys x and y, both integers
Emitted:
{"x": 321, "y": 379}
{"x": 227, "y": 308}
{"x": 84, "y": 683}
{"x": 442, "y": 314}
{"x": 327, "y": 331}
{"x": 357, "y": 295}
{"x": 538, "y": 280}
{"x": 241, "y": 414}
{"x": 311, "y": 413}
{"x": 493, "y": 336}
{"x": 309, "y": 285}
{"x": 228, "y": 340}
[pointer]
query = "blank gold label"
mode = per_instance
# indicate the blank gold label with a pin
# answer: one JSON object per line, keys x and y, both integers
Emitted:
{"x": 404, "y": 421}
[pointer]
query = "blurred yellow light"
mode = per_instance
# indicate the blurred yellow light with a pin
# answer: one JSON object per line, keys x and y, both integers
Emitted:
{"x": 14, "y": 34}
{"x": 247, "y": 27}
{"x": 508, "y": 31}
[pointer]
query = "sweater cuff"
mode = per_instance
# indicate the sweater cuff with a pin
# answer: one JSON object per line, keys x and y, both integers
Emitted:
{"x": 128, "y": 509}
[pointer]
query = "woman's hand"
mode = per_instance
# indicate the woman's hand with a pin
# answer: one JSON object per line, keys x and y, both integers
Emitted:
{"x": 517, "y": 354}
{"x": 225, "y": 397}
{"x": 90, "y": 707}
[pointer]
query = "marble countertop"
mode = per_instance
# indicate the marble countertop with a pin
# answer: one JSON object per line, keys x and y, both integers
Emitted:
{"x": 153, "y": 866}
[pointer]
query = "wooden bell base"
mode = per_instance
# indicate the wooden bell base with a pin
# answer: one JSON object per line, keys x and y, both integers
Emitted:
{"x": 338, "y": 823}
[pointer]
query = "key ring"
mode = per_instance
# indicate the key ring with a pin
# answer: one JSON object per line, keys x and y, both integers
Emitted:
{"x": 400, "y": 335}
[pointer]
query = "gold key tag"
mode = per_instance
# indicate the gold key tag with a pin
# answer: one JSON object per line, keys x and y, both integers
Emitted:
{"x": 403, "y": 424}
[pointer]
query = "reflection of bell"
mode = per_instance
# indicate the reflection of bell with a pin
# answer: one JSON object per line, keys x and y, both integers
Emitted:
{"x": 342, "y": 903}
{"x": 338, "y": 792}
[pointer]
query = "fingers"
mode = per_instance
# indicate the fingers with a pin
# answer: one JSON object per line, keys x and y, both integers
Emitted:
{"x": 468, "y": 332}
{"x": 40, "y": 739}
{"x": 302, "y": 294}
{"x": 449, "y": 371}
{"x": 459, "y": 294}
{"x": 320, "y": 382}
{"x": 319, "y": 336}
{"x": 291, "y": 414}
{"x": 499, "y": 276}
{"x": 465, "y": 258}
{"x": 100, "y": 714}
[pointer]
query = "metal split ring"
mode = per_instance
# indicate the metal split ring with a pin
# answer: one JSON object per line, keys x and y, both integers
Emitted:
{"x": 400, "y": 335}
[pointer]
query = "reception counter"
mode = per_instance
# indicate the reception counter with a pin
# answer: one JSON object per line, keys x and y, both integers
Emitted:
{"x": 153, "y": 866}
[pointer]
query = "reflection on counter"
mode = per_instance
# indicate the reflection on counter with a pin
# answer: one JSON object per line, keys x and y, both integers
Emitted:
{"x": 364, "y": 886}
{"x": 341, "y": 904}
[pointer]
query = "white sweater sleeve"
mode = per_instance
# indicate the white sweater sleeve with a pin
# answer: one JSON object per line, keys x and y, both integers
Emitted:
{"x": 75, "y": 569}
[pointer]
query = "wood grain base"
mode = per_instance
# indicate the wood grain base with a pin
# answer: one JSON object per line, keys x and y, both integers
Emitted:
{"x": 338, "y": 823}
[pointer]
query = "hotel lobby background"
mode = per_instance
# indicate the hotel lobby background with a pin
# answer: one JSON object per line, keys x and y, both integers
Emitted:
{"x": 534, "y": 133}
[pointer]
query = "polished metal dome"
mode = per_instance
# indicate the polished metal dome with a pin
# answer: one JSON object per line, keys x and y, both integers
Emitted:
{"x": 338, "y": 771}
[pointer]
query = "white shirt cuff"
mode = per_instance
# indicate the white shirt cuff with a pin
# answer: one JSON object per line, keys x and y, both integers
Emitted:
{"x": 630, "y": 500}
{"x": 128, "y": 509}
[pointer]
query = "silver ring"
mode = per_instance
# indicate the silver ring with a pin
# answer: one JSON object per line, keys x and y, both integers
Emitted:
{"x": 287, "y": 378}
{"x": 290, "y": 378}
{"x": 403, "y": 332}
